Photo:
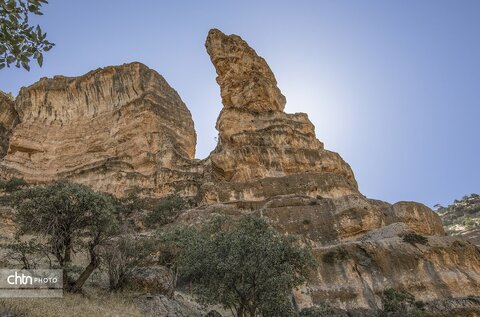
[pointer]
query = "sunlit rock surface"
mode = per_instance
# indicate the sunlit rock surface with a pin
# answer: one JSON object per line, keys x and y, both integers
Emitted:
{"x": 8, "y": 120}
{"x": 124, "y": 126}
{"x": 112, "y": 128}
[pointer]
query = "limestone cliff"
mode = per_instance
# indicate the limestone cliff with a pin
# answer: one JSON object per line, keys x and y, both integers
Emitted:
{"x": 256, "y": 138}
{"x": 8, "y": 120}
{"x": 271, "y": 163}
{"x": 124, "y": 126}
{"x": 112, "y": 128}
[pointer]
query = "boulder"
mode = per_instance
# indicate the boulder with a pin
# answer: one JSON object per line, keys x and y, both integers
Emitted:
{"x": 163, "y": 306}
{"x": 151, "y": 279}
{"x": 418, "y": 217}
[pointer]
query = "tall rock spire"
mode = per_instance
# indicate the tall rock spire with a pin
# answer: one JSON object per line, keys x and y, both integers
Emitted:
{"x": 256, "y": 138}
{"x": 245, "y": 79}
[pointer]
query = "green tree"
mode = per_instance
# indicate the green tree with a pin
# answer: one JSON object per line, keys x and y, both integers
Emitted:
{"x": 29, "y": 254}
{"x": 70, "y": 218}
{"x": 166, "y": 211}
{"x": 122, "y": 256}
{"x": 400, "y": 304}
{"x": 173, "y": 244}
{"x": 246, "y": 267}
{"x": 20, "y": 41}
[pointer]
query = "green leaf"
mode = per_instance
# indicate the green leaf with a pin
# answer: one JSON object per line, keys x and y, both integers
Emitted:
{"x": 26, "y": 66}
{"x": 40, "y": 60}
{"x": 19, "y": 40}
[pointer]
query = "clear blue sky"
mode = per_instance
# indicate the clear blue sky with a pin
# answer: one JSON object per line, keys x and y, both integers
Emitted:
{"x": 393, "y": 86}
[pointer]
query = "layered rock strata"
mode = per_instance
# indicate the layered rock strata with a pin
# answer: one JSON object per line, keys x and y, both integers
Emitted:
{"x": 271, "y": 163}
{"x": 112, "y": 128}
{"x": 124, "y": 126}
{"x": 256, "y": 138}
{"x": 8, "y": 120}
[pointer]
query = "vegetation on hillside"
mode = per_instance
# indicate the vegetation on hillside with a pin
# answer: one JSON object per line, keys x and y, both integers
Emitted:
{"x": 247, "y": 267}
{"x": 67, "y": 218}
{"x": 397, "y": 303}
{"x": 242, "y": 264}
{"x": 462, "y": 215}
{"x": 166, "y": 211}
{"x": 415, "y": 238}
{"x": 12, "y": 184}
{"x": 78, "y": 305}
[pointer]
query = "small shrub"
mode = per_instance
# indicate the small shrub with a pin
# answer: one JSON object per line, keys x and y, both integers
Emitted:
{"x": 335, "y": 255}
{"x": 414, "y": 238}
{"x": 166, "y": 211}
{"x": 306, "y": 221}
{"x": 132, "y": 202}
{"x": 122, "y": 256}
{"x": 400, "y": 304}
{"x": 12, "y": 184}
{"x": 10, "y": 96}
{"x": 322, "y": 310}
{"x": 469, "y": 222}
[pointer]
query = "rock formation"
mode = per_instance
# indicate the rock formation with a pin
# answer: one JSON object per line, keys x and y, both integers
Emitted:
{"x": 8, "y": 120}
{"x": 271, "y": 163}
{"x": 258, "y": 141}
{"x": 112, "y": 128}
{"x": 124, "y": 126}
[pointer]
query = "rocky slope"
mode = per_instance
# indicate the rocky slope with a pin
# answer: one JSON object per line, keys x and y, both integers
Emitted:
{"x": 462, "y": 218}
{"x": 124, "y": 126}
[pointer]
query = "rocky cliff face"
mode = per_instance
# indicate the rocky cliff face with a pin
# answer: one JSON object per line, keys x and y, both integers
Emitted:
{"x": 271, "y": 163}
{"x": 118, "y": 127}
{"x": 112, "y": 128}
{"x": 259, "y": 141}
{"x": 8, "y": 120}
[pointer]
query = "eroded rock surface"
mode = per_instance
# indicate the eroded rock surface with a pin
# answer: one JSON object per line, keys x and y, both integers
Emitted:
{"x": 8, "y": 120}
{"x": 418, "y": 217}
{"x": 271, "y": 163}
{"x": 354, "y": 274}
{"x": 257, "y": 139}
{"x": 124, "y": 126}
{"x": 163, "y": 306}
{"x": 112, "y": 128}
{"x": 245, "y": 79}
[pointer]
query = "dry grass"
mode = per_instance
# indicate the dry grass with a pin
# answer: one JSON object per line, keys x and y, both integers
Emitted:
{"x": 102, "y": 305}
